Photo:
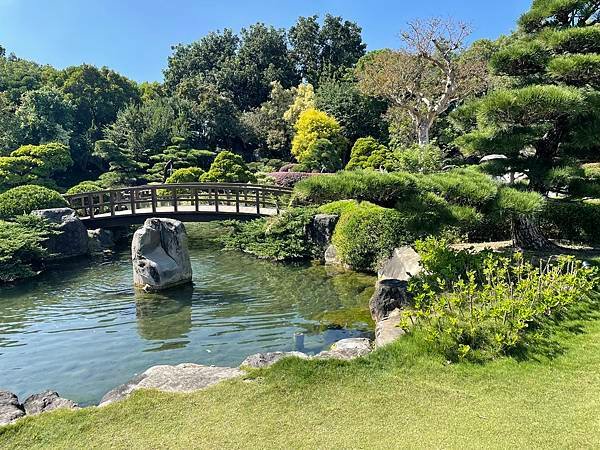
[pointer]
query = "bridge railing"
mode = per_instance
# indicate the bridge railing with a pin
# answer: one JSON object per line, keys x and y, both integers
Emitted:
{"x": 188, "y": 197}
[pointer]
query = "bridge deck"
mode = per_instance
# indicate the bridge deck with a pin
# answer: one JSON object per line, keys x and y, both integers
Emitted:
{"x": 190, "y": 202}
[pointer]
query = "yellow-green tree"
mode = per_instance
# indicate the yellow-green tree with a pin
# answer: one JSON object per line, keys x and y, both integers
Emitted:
{"x": 314, "y": 125}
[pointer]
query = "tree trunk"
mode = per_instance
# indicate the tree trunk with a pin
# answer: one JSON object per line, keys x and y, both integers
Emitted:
{"x": 423, "y": 132}
{"x": 526, "y": 234}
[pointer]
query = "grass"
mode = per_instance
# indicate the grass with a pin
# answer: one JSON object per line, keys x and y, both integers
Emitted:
{"x": 396, "y": 397}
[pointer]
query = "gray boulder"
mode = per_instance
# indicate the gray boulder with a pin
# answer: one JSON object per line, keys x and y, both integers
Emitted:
{"x": 320, "y": 229}
{"x": 387, "y": 330}
{"x": 100, "y": 240}
{"x": 347, "y": 349}
{"x": 331, "y": 257}
{"x": 389, "y": 295}
{"x": 404, "y": 264}
{"x": 71, "y": 239}
{"x": 160, "y": 255}
{"x": 46, "y": 401}
{"x": 10, "y": 409}
{"x": 260, "y": 360}
{"x": 181, "y": 378}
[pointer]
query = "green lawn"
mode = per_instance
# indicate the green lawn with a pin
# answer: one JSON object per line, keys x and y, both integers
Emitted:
{"x": 397, "y": 397}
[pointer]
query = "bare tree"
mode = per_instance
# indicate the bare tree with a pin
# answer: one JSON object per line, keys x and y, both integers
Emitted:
{"x": 428, "y": 74}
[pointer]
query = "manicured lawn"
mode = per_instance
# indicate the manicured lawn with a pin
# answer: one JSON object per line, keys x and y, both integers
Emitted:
{"x": 397, "y": 397}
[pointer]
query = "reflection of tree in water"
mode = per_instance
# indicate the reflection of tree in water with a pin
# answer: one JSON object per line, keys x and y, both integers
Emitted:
{"x": 164, "y": 315}
{"x": 244, "y": 286}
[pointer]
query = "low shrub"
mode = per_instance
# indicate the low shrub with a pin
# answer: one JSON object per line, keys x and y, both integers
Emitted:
{"x": 24, "y": 199}
{"x": 85, "y": 186}
{"x": 486, "y": 314}
{"x": 279, "y": 238}
{"x": 362, "y": 149}
{"x": 21, "y": 250}
{"x": 415, "y": 159}
{"x": 366, "y": 233}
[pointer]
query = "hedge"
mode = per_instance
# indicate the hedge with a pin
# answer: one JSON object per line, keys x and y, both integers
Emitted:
{"x": 24, "y": 199}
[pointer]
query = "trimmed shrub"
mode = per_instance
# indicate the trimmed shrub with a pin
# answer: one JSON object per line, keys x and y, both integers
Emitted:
{"x": 228, "y": 168}
{"x": 186, "y": 175}
{"x": 379, "y": 188}
{"x": 362, "y": 149}
{"x": 85, "y": 186}
{"x": 366, "y": 233}
{"x": 462, "y": 186}
{"x": 24, "y": 199}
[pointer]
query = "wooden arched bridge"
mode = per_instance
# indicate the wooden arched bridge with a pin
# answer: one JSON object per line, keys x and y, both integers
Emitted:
{"x": 188, "y": 202}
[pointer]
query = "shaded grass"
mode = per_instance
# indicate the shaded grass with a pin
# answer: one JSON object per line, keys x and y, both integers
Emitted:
{"x": 397, "y": 397}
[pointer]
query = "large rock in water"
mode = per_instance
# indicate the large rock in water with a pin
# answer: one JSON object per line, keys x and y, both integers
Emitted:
{"x": 46, "y": 401}
{"x": 100, "y": 240}
{"x": 181, "y": 378}
{"x": 404, "y": 264}
{"x": 71, "y": 239}
{"x": 10, "y": 409}
{"x": 160, "y": 255}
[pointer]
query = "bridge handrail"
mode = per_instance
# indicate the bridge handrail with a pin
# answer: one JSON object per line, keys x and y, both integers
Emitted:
{"x": 112, "y": 200}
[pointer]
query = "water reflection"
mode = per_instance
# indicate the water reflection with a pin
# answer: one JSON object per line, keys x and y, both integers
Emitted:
{"x": 165, "y": 315}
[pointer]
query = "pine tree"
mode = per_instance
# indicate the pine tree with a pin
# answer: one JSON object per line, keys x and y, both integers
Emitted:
{"x": 547, "y": 122}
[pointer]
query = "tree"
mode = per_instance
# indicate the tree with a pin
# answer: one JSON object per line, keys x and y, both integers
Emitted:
{"x": 228, "y": 168}
{"x": 45, "y": 115}
{"x": 304, "y": 98}
{"x": 266, "y": 128}
{"x": 549, "y": 120}
{"x": 177, "y": 156}
{"x": 429, "y": 74}
{"x": 123, "y": 169}
{"x": 325, "y": 51}
{"x": 34, "y": 164}
{"x": 313, "y": 125}
{"x": 358, "y": 114}
{"x": 97, "y": 95}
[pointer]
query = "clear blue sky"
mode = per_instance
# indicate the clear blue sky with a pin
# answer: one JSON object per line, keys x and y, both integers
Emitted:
{"x": 134, "y": 37}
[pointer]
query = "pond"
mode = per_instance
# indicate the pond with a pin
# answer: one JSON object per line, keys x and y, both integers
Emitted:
{"x": 81, "y": 329}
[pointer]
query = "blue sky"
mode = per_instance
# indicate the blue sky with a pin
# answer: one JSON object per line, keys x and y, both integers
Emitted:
{"x": 134, "y": 37}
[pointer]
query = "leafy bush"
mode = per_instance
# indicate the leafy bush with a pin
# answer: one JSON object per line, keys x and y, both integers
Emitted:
{"x": 366, "y": 233}
{"x": 24, "y": 199}
{"x": 362, "y": 149}
{"x": 462, "y": 186}
{"x": 228, "y": 168}
{"x": 415, "y": 159}
{"x": 187, "y": 175}
{"x": 21, "y": 251}
{"x": 487, "y": 314}
{"x": 85, "y": 186}
{"x": 279, "y": 238}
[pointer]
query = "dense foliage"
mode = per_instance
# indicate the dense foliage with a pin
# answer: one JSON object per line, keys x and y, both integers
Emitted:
{"x": 187, "y": 175}
{"x": 489, "y": 310}
{"x": 281, "y": 238}
{"x": 24, "y": 199}
{"x": 314, "y": 126}
{"x": 228, "y": 168}
{"x": 21, "y": 249}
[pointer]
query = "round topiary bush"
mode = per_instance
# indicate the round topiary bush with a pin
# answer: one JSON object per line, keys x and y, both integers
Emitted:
{"x": 186, "y": 175}
{"x": 228, "y": 167}
{"x": 85, "y": 186}
{"x": 24, "y": 199}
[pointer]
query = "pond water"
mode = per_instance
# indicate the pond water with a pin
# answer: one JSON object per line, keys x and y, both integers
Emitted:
{"x": 81, "y": 329}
